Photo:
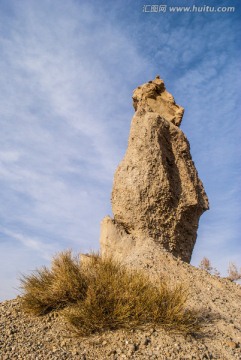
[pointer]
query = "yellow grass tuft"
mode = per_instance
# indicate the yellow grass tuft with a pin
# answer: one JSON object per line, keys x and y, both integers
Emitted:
{"x": 104, "y": 295}
{"x": 47, "y": 290}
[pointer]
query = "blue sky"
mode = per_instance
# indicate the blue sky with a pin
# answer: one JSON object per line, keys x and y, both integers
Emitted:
{"x": 68, "y": 69}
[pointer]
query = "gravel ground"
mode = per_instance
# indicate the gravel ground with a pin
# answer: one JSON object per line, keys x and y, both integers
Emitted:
{"x": 33, "y": 338}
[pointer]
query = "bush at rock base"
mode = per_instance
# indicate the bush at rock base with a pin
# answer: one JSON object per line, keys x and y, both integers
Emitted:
{"x": 102, "y": 294}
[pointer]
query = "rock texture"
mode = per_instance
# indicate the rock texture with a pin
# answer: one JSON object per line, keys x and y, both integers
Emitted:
{"x": 156, "y": 193}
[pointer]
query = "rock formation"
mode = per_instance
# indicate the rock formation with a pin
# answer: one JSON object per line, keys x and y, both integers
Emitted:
{"x": 157, "y": 195}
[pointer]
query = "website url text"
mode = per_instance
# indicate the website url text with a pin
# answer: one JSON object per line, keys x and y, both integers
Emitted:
{"x": 182, "y": 9}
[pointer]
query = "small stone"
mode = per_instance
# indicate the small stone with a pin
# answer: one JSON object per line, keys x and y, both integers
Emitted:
{"x": 122, "y": 356}
{"x": 133, "y": 348}
{"x": 118, "y": 351}
{"x": 112, "y": 352}
{"x": 231, "y": 344}
{"x": 75, "y": 352}
{"x": 147, "y": 341}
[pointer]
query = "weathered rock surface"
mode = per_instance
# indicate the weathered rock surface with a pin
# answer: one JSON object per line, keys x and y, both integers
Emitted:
{"x": 156, "y": 193}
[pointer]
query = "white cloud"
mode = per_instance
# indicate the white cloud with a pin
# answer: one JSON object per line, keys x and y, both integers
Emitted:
{"x": 62, "y": 110}
{"x": 32, "y": 243}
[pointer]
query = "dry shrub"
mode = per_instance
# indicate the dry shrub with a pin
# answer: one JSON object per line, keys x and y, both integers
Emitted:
{"x": 37, "y": 298}
{"x": 104, "y": 295}
{"x": 53, "y": 289}
{"x": 233, "y": 273}
{"x": 205, "y": 264}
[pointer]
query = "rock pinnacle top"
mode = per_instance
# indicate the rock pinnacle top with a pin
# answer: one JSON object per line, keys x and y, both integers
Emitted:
{"x": 153, "y": 97}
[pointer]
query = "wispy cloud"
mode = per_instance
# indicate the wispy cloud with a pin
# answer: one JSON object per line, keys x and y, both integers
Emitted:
{"x": 63, "y": 106}
{"x": 32, "y": 242}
